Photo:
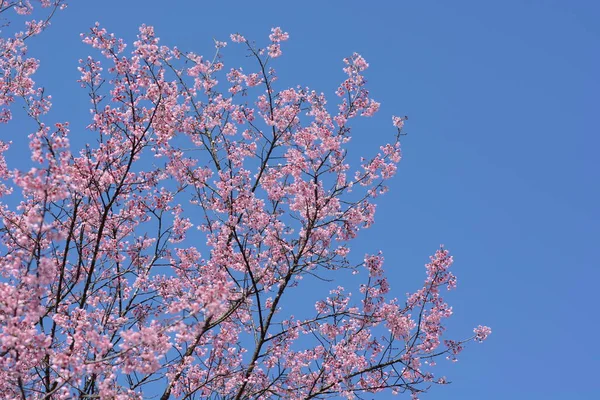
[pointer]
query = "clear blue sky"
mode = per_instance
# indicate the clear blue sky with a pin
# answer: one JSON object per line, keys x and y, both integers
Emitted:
{"x": 500, "y": 164}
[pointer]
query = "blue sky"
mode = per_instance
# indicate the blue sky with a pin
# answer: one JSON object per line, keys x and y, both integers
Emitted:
{"x": 500, "y": 162}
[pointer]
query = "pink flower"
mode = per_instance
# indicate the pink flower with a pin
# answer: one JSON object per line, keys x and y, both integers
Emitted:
{"x": 274, "y": 50}
{"x": 398, "y": 121}
{"x": 277, "y": 35}
{"x": 237, "y": 38}
{"x": 481, "y": 333}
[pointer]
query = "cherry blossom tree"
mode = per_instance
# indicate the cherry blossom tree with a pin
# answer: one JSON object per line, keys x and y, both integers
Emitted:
{"x": 162, "y": 258}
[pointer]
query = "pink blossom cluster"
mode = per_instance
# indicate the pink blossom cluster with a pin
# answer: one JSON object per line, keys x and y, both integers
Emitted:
{"x": 167, "y": 251}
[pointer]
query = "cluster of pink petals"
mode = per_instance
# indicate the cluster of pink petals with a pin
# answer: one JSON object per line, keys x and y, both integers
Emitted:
{"x": 168, "y": 251}
{"x": 482, "y": 332}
